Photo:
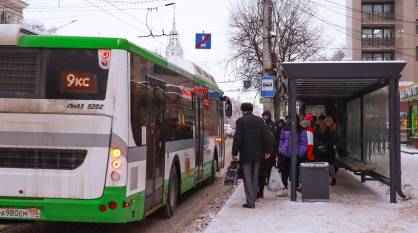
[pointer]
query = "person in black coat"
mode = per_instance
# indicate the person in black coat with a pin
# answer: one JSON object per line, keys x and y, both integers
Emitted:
{"x": 267, "y": 163}
{"x": 253, "y": 143}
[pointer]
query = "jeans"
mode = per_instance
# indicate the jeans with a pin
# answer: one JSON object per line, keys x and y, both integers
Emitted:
{"x": 250, "y": 172}
{"x": 285, "y": 169}
{"x": 264, "y": 175}
{"x": 332, "y": 171}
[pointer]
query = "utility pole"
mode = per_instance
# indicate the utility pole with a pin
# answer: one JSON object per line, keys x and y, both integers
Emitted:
{"x": 267, "y": 58}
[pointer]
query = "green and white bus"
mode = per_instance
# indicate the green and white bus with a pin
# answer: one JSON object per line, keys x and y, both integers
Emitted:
{"x": 100, "y": 129}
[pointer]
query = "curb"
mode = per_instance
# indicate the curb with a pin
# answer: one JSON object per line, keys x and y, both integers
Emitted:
{"x": 410, "y": 153}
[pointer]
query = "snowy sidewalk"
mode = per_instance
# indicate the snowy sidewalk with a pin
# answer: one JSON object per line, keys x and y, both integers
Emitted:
{"x": 409, "y": 149}
{"x": 353, "y": 207}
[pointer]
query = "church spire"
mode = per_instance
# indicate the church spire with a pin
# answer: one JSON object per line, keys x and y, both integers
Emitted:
{"x": 174, "y": 48}
{"x": 174, "y": 19}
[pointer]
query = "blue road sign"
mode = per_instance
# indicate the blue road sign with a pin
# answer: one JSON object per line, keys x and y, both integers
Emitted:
{"x": 203, "y": 40}
{"x": 247, "y": 84}
{"x": 267, "y": 86}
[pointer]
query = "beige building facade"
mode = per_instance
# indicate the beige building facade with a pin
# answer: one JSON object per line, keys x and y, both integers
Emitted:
{"x": 11, "y": 11}
{"x": 384, "y": 30}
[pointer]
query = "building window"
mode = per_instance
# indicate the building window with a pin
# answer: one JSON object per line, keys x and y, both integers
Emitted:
{"x": 377, "y": 11}
{"x": 417, "y": 51}
{"x": 416, "y": 26}
{"x": 377, "y": 8}
{"x": 377, "y": 56}
{"x": 377, "y": 32}
{"x": 368, "y": 8}
{"x": 3, "y": 17}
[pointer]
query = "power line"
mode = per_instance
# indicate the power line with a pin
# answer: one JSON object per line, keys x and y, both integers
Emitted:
{"x": 126, "y": 13}
{"x": 337, "y": 27}
{"x": 350, "y": 8}
{"x": 359, "y": 20}
{"x": 114, "y": 16}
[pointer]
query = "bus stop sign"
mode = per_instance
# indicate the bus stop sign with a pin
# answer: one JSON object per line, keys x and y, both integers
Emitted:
{"x": 267, "y": 86}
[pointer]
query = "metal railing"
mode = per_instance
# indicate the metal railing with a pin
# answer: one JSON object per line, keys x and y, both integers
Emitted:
{"x": 377, "y": 16}
{"x": 378, "y": 42}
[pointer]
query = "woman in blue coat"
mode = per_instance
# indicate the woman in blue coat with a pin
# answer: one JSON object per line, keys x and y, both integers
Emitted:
{"x": 284, "y": 153}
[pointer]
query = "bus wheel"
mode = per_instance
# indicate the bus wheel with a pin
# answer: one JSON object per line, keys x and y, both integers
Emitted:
{"x": 172, "y": 195}
{"x": 211, "y": 179}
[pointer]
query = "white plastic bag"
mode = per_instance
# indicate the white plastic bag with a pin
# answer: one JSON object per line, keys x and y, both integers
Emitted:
{"x": 275, "y": 182}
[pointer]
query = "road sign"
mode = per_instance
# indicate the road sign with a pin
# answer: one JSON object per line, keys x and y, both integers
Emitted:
{"x": 267, "y": 86}
{"x": 203, "y": 40}
{"x": 247, "y": 84}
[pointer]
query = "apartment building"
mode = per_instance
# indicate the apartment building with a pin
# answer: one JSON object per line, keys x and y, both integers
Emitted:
{"x": 388, "y": 30}
{"x": 384, "y": 30}
{"x": 11, "y": 11}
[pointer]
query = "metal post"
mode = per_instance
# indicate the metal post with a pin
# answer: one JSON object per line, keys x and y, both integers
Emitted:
{"x": 267, "y": 11}
{"x": 267, "y": 61}
{"x": 398, "y": 141}
{"x": 293, "y": 145}
{"x": 392, "y": 138}
{"x": 363, "y": 178}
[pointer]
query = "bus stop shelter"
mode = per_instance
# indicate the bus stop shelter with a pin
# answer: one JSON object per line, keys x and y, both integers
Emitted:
{"x": 366, "y": 96}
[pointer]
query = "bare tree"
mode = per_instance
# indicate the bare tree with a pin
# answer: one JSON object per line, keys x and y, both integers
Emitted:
{"x": 338, "y": 55}
{"x": 296, "y": 38}
{"x": 39, "y": 27}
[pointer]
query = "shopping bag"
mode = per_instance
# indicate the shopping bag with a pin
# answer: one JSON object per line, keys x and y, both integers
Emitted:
{"x": 232, "y": 174}
{"x": 275, "y": 181}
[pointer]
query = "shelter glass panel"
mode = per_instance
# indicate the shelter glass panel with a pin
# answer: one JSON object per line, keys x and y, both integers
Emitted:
{"x": 376, "y": 130}
{"x": 354, "y": 128}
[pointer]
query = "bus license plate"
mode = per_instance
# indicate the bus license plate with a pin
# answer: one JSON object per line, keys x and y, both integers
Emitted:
{"x": 20, "y": 213}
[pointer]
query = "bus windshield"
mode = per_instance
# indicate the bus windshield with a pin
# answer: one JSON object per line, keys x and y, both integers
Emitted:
{"x": 33, "y": 73}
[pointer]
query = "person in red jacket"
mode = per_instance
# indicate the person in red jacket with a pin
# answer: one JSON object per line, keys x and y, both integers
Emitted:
{"x": 307, "y": 124}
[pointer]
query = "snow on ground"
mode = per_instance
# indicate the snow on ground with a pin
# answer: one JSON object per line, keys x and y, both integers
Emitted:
{"x": 353, "y": 207}
{"x": 409, "y": 149}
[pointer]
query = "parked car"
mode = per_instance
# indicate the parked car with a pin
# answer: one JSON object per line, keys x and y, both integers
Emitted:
{"x": 229, "y": 131}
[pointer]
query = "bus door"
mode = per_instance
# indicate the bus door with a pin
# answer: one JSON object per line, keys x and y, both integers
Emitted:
{"x": 156, "y": 146}
{"x": 199, "y": 140}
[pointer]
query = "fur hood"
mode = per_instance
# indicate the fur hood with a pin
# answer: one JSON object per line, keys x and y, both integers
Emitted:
{"x": 323, "y": 127}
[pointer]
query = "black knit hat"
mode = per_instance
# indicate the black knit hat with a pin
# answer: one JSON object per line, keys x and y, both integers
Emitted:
{"x": 266, "y": 113}
{"x": 247, "y": 107}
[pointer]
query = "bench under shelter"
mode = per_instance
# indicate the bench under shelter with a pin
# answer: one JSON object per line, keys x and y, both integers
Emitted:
{"x": 363, "y": 98}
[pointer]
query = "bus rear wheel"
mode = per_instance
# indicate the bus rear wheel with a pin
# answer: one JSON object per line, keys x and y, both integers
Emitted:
{"x": 172, "y": 195}
{"x": 211, "y": 179}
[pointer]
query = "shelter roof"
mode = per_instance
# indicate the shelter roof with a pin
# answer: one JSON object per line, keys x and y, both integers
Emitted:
{"x": 342, "y": 80}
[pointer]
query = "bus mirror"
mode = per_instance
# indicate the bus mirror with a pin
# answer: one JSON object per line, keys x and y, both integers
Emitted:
{"x": 228, "y": 108}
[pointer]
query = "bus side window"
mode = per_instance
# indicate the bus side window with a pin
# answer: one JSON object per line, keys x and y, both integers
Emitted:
{"x": 139, "y": 95}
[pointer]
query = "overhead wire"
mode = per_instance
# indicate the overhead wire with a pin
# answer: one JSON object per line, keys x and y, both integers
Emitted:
{"x": 352, "y": 36}
{"x": 114, "y": 16}
{"x": 354, "y": 18}
{"x": 338, "y": 28}
{"x": 125, "y": 12}
{"x": 357, "y": 10}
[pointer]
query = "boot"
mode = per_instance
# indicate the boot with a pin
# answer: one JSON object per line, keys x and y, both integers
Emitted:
{"x": 334, "y": 181}
{"x": 282, "y": 193}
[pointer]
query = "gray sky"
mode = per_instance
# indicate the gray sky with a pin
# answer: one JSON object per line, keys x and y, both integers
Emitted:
{"x": 192, "y": 16}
